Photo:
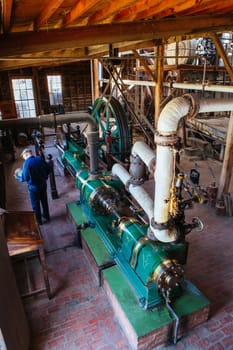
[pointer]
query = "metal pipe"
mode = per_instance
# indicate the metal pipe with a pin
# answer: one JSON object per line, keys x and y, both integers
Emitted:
{"x": 52, "y": 120}
{"x": 188, "y": 86}
{"x": 138, "y": 192}
{"x": 165, "y": 139}
{"x": 145, "y": 153}
{"x": 92, "y": 140}
{"x": 200, "y": 87}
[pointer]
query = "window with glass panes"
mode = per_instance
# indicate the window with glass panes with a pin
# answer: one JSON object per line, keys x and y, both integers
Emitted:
{"x": 24, "y": 98}
{"x": 55, "y": 89}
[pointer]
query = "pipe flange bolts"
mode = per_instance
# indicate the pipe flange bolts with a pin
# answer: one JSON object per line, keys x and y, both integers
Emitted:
{"x": 168, "y": 275}
{"x": 194, "y": 105}
{"x": 165, "y": 140}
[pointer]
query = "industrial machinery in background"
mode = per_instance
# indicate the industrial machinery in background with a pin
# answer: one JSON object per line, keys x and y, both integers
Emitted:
{"x": 146, "y": 237}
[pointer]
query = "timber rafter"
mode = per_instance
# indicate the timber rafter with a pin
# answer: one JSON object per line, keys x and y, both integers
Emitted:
{"x": 14, "y": 44}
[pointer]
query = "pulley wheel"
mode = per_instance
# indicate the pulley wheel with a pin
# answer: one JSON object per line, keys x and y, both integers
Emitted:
{"x": 112, "y": 119}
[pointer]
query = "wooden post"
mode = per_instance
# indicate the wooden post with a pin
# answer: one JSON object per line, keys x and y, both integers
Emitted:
{"x": 159, "y": 85}
{"x": 53, "y": 186}
{"x": 95, "y": 79}
{"x": 226, "y": 172}
{"x": 2, "y": 186}
{"x": 222, "y": 53}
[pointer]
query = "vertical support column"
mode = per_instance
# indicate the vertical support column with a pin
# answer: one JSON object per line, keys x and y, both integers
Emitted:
{"x": 95, "y": 79}
{"x": 225, "y": 177}
{"x": 53, "y": 186}
{"x": 2, "y": 186}
{"x": 222, "y": 54}
{"x": 159, "y": 84}
{"x": 45, "y": 271}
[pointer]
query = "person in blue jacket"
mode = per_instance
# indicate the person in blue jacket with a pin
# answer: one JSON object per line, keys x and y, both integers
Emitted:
{"x": 35, "y": 172}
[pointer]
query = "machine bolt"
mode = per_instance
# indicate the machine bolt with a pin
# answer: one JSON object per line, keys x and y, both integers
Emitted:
{"x": 142, "y": 302}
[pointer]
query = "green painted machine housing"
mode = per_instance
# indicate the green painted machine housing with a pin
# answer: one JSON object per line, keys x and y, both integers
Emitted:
{"x": 125, "y": 238}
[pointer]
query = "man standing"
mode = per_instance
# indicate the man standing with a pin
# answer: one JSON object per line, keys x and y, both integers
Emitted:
{"x": 35, "y": 172}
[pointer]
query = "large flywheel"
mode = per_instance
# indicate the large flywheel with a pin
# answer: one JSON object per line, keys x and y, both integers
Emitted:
{"x": 113, "y": 125}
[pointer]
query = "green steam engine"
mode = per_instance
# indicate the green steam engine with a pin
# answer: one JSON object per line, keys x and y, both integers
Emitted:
{"x": 144, "y": 237}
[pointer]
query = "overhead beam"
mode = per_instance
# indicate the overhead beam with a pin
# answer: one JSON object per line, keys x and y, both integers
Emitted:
{"x": 58, "y": 58}
{"x": 17, "y": 64}
{"x": 49, "y": 9}
{"x": 82, "y": 8}
{"x": 6, "y": 9}
{"x": 144, "y": 64}
{"x": 110, "y": 10}
{"x": 222, "y": 54}
{"x": 12, "y": 44}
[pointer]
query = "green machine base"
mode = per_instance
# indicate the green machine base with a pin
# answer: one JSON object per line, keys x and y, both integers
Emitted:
{"x": 144, "y": 329}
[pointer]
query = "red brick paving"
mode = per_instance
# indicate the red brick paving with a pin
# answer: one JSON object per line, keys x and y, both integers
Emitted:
{"x": 79, "y": 316}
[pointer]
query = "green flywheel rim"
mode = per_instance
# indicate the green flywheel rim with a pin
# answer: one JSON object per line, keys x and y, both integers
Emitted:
{"x": 110, "y": 116}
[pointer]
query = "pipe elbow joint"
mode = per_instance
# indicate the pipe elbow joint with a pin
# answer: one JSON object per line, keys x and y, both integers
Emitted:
{"x": 162, "y": 231}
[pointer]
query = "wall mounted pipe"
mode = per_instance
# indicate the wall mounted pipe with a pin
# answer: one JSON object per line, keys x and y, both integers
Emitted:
{"x": 165, "y": 139}
{"x": 52, "y": 120}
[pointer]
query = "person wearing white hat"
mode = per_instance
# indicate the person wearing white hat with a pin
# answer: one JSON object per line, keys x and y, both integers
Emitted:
{"x": 35, "y": 172}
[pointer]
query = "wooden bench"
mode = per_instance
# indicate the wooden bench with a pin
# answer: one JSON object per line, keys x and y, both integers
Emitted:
{"x": 24, "y": 241}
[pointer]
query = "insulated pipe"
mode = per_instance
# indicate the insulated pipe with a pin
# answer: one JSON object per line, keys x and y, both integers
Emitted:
{"x": 138, "y": 192}
{"x": 165, "y": 139}
{"x": 200, "y": 87}
{"x": 52, "y": 120}
{"x": 92, "y": 141}
{"x": 145, "y": 153}
{"x": 184, "y": 86}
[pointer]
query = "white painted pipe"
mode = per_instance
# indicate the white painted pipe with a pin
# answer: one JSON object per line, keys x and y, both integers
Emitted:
{"x": 163, "y": 175}
{"x": 138, "y": 192}
{"x": 184, "y": 86}
{"x": 167, "y": 125}
{"x": 201, "y": 87}
{"x": 143, "y": 199}
{"x": 216, "y": 105}
{"x": 144, "y": 152}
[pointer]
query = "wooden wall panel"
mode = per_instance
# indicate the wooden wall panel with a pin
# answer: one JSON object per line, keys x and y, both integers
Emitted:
{"x": 76, "y": 87}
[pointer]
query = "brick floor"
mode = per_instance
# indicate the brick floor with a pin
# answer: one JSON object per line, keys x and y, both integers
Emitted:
{"x": 79, "y": 315}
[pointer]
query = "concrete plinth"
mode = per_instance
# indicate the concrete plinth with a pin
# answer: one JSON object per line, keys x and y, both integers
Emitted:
{"x": 144, "y": 329}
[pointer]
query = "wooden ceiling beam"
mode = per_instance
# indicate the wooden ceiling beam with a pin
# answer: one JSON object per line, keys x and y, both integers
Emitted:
{"x": 56, "y": 54}
{"x": 145, "y": 65}
{"x": 130, "y": 13}
{"x": 58, "y": 58}
{"x": 166, "y": 8}
{"x": 222, "y": 7}
{"x": 17, "y": 64}
{"x": 82, "y": 8}
{"x": 7, "y": 10}
{"x": 207, "y": 6}
{"x": 49, "y": 9}
{"x": 221, "y": 51}
{"x": 13, "y": 44}
{"x": 141, "y": 9}
{"x": 110, "y": 10}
